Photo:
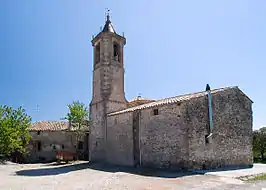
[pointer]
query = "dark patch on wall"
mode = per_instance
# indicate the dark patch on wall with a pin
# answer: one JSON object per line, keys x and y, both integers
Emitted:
{"x": 136, "y": 150}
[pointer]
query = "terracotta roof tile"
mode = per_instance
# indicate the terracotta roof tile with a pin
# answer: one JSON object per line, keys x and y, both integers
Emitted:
{"x": 168, "y": 101}
{"x": 49, "y": 126}
{"x": 138, "y": 98}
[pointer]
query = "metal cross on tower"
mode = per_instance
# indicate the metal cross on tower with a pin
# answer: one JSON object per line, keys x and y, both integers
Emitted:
{"x": 107, "y": 13}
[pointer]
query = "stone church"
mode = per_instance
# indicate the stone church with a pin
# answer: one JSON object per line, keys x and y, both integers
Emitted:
{"x": 207, "y": 129}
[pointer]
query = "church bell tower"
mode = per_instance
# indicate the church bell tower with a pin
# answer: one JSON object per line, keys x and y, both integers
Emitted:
{"x": 108, "y": 93}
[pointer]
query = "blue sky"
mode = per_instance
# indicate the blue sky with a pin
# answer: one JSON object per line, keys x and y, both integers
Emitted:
{"x": 173, "y": 47}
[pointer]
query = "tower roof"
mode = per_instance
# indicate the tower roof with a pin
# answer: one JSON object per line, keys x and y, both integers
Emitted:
{"x": 108, "y": 27}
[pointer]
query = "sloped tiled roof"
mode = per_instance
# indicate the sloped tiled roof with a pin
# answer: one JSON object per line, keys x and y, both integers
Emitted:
{"x": 49, "y": 126}
{"x": 169, "y": 101}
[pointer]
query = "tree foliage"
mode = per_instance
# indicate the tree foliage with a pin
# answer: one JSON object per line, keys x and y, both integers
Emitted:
{"x": 259, "y": 142}
{"x": 14, "y": 134}
{"x": 78, "y": 114}
{"x": 78, "y": 117}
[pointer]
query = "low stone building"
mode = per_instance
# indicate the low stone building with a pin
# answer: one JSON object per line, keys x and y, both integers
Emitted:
{"x": 174, "y": 132}
{"x": 48, "y": 137}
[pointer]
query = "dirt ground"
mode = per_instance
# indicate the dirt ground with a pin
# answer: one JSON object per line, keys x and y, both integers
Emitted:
{"x": 83, "y": 176}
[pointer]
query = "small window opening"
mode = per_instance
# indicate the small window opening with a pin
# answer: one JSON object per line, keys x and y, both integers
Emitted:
{"x": 97, "y": 53}
{"x": 207, "y": 139}
{"x": 39, "y": 146}
{"x": 179, "y": 103}
{"x": 80, "y": 145}
{"x": 155, "y": 112}
{"x": 63, "y": 146}
{"x": 38, "y": 132}
{"x": 116, "y": 52}
{"x": 54, "y": 147}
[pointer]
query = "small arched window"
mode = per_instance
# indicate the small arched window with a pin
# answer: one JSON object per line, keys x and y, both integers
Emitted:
{"x": 97, "y": 53}
{"x": 116, "y": 52}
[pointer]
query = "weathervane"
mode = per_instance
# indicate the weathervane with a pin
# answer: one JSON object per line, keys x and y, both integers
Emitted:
{"x": 107, "y": 13}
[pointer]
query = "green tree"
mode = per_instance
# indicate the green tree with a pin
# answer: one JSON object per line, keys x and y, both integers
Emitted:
{"x": 78, "y": 114}
{"x": 14, "y": 134}
{"x": 78, "y": 117}
{"x": 259, "y": 142}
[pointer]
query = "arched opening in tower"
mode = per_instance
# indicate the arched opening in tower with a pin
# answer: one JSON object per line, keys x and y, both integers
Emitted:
{"x": 116, "y": 50}
{"x": 97, "y": 53}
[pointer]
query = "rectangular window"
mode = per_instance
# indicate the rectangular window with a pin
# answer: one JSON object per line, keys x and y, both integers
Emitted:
{"x": 155, "y": 112}
{"x": 39, "y": 146}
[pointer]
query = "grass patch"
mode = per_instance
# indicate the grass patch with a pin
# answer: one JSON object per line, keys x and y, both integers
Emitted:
{"x": 258, "y": 178}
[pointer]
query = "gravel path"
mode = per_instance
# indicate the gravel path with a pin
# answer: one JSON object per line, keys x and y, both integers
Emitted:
{"x": 83, "y": 176}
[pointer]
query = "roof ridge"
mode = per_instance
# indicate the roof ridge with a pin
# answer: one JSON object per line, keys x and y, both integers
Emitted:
{"x": 197, "y": 92}
{"x": 162, "y": 101}
{"x": 49, "y": 121}
{"x": 49, "y": 125}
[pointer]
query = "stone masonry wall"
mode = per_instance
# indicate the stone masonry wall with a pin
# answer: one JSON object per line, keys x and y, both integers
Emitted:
{"x": 97, "y": 134}
{"x": 96, "y": 139}
{"x": 120, "y": 139}
{"x": 175, "y": 138}
{"x": 50, "y": 143}
{"x": 231, "y": 142}
{"x": 164, "y": 140}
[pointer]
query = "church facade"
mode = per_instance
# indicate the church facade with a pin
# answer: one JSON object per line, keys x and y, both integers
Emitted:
{"x": 207, "y": 129}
